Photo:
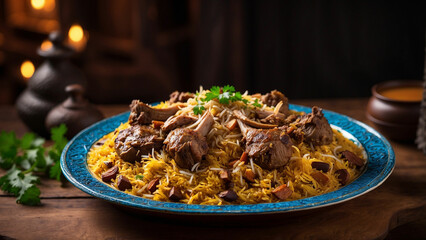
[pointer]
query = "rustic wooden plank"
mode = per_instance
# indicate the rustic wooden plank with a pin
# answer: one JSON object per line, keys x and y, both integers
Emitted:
{"x": 95, "y": 219}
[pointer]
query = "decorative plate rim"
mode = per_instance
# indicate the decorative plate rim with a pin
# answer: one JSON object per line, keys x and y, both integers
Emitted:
{"x": 381, "y": 162}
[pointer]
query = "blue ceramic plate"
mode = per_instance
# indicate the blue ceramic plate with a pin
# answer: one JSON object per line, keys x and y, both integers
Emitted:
{"x": 381, "y": 161}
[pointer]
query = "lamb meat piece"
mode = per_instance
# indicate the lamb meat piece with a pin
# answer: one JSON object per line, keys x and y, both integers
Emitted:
{"x": 273, "y": 98}
{"x": 141, "y": 113}
{"x": 269, "y": 148}
{"x": 110, "y": 174}
{"x": 152, "y": 185}
{"x": 188, "y": 146}
{"x": 320, "y": 166}
{"x": 249, "y": 175}
{"x": 352, "y": 158}
{"x": 231, "y": 124}
{"x": 175, "y": 194}
{"x": 225, "y": 175}
{"x": 108, "y": 164}
{"x": 343, "y": 176}
{"x": 250, "y": 122}
{"x": 228, "y": 195}
{"x": 123, "y": 183}
{"x": 177, "y": 121}
{"x": 320, "y": 177}
{"x": 282, "y": 192}
{"x": 135, "y": 141}
{"x": 271, "y": 117}
{"x": 177, "y": 96}
{"x": 157, "y": 124}
{"x": 316, "y": 128}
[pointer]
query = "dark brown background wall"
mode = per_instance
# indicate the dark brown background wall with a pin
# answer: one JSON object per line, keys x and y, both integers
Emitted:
{"x": 146, "y": 49}
{"x": 311, "y": 48}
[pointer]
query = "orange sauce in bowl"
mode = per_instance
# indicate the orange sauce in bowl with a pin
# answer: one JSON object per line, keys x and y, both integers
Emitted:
{"x": 406, "y": 93}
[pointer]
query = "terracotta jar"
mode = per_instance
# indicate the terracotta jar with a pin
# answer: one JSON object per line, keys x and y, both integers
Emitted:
{"x": 75, "y": 112}
{"x": 394, "y": 110}
{"x": 46, "y": 86}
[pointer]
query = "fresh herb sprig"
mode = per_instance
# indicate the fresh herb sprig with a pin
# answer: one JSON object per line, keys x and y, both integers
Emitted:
{"x": 256, "y": 103}
{"x": 25, "y": 159}
{"x": 224, "y": 95}
{"x": 199, "y": 108}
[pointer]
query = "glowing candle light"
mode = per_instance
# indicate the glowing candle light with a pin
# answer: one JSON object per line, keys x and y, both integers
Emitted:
{"x": 27, "y": 69}
{"x": 76, "y": 33}
{"x": 45, "y": 45}
{"x": 38, "y": 4}
{"x": 50, "y": 5}
{"x": 77, "y": 37}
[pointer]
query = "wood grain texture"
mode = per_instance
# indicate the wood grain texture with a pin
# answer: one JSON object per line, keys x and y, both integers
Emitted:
{"x": 399, "y": 203}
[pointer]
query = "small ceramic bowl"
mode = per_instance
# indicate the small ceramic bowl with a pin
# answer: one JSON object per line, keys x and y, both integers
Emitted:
{"x": 395, "y": 116}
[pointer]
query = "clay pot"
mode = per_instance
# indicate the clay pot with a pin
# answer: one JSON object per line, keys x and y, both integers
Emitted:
{"x": 396, "y": 119}
{"x": 75, "y": 112}
{"x": 46, "y": 86}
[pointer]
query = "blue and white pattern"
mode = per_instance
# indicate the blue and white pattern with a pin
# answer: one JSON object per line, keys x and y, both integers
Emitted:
{"x": 381, "y": 162}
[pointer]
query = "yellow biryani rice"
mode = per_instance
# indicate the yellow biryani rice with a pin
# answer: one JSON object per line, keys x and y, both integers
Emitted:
{"x": 203, "y": 184}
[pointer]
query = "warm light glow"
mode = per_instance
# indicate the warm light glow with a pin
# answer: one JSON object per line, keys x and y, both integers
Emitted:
{"x": 27, "y": 69}
{"x": 76, "y": 33}
{"x": 45, "y": 45}
{"x": 50, "y": 5}
{"x": 38, "y": 4}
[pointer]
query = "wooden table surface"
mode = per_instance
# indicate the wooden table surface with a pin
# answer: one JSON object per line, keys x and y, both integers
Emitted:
{"x": 395, "y": 210}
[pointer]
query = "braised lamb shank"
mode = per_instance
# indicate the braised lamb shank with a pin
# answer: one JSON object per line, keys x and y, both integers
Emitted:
{"x": 177, "y": 96}
{"x": 139, "y": 139}
{"x": 188, "y": 146}
{"x": 142, "y": 113}
{"x": 135, "y": 141}
{"x": 250, "y": 122}
{"x": 316, "y": 128}
{"x": 273, "y": 98}
{"x": 269, "y": 148}
{"x": 177, "y": 121}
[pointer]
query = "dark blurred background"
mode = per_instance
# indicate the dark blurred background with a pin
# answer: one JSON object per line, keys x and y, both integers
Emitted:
{"x": 146, "y": 49}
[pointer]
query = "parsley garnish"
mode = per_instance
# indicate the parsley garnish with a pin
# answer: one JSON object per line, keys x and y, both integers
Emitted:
{"x": 139, "y": 177}
{"x": 26, "y": 156}
{"x": 256, "y": 103}
{"x": 198, "y": 109}
{"x": 224, "y": 95}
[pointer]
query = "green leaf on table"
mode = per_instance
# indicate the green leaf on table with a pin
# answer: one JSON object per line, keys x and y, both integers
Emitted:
{"x": 55, "y": 171}
{"x": 27, "y": 140}
{"x": 38, "y": 142}
{"x": 31, "y": 196}
{"x": 8, "y": 149}
{"x": 51, "y": 157}
{"x": 54, "y": 155}
{"x": 25, "y": 156}
{"x": 21, "y": 185}
{"x": 7, "y": 140}
{"x": 57, "y": 135}
{"x": 6, "y": 163}
{"x": 36, "y": 157}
